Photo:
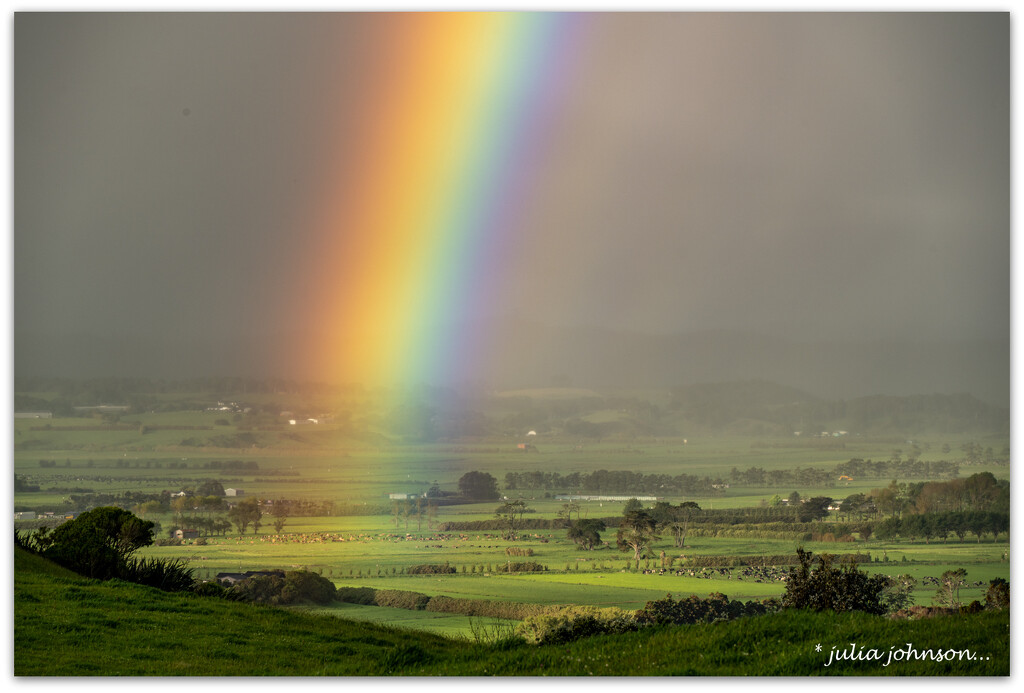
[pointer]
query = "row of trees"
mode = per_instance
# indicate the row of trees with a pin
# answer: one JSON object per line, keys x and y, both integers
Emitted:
{"x": 416, "y": 508}
{"x": 618, "y": 481}
{"x": 930, "y": 526}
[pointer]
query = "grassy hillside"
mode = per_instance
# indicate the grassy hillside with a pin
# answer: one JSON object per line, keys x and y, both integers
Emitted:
{"x": 116, "y": 628}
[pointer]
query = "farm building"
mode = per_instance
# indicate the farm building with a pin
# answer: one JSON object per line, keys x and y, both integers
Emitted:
{"x": 186, "y": 534}
{"x": 406, "y": 496}
{"x": 234, "y": 492}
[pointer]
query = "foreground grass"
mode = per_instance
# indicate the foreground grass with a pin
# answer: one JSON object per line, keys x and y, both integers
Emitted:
{"x": 71, "y": 626}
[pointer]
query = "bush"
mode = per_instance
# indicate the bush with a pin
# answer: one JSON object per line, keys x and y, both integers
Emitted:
{"x": 304, "y": 586}
{"x": 574, "y": 622}
{"x": 263, "y": 589}
{"x": 96, "y": 544}
{"x": 830, "y": 588}
{"x": 211, "y": 589}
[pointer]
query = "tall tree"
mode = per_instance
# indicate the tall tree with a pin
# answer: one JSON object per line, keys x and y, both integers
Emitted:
{"x": 246, "y": 512}
{"x": 510, "y": 513}
{"x": 586, "y": 534}
{"x": 280, "y": 513}
{"x": 636, "y": 533}
{"x": 679, "y": 521}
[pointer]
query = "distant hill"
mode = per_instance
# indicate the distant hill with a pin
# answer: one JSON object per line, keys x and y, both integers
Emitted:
{"x": 523, "y": 354}
{"x": 530, "y": 354}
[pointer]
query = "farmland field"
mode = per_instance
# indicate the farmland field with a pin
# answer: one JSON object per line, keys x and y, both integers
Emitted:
{"x": 369, "y": 544}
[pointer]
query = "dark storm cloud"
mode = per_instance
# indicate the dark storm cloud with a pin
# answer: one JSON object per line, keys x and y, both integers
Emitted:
{"x": 163, "y": 165}
{"x": 773, "y": 169}
{"x": 827, "y": 176}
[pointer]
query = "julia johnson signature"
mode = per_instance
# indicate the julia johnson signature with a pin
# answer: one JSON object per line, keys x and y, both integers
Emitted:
{"x": 903, "y": 653}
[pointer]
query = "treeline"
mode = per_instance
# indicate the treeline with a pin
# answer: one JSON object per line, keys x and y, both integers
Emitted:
{"x": 930, "y": 526}
{"x": 618, "y": 482}
{"x": 911, "y": 468}
{"x": 626, "y": 482}
{"x": 855, "y": 468}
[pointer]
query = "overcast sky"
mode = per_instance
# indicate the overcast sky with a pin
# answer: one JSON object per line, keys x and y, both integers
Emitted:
{"x": 815, "y": 176}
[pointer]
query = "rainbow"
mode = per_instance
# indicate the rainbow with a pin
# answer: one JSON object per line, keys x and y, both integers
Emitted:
{"x": 427, "y": 190}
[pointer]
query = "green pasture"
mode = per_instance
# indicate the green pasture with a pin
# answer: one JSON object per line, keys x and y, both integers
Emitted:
{"x": 370, "y": 551}
{"x": 321, "y": 463}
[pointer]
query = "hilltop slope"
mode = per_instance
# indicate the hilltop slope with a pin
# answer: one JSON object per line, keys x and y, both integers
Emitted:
{"x": 121, "y": 629}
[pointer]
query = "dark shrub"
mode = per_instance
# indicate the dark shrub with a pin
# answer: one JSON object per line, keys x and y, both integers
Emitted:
{"x": 830, "y": 588}
{"x": 210, "y": 589}
{"x": 263, "y": 589}
{"x": 98, "y": 543}
{"x": 304, "y": 586}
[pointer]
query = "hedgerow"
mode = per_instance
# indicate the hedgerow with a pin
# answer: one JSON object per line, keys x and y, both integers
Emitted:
{"x": 401, "y": 599}
{"x": 430, "y": 569}
{"x": 574, "y": 622}
{"x": 484, "y": 607}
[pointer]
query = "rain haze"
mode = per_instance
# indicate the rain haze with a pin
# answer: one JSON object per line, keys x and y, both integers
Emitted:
{"x": 821, "y": 200}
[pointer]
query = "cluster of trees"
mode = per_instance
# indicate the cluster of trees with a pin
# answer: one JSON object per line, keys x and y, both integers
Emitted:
{"x": 977, "y": 492}
{"x": 416, "y": 508}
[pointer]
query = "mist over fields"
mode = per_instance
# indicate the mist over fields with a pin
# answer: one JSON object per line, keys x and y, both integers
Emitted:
{"x": 529, "y": 354}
